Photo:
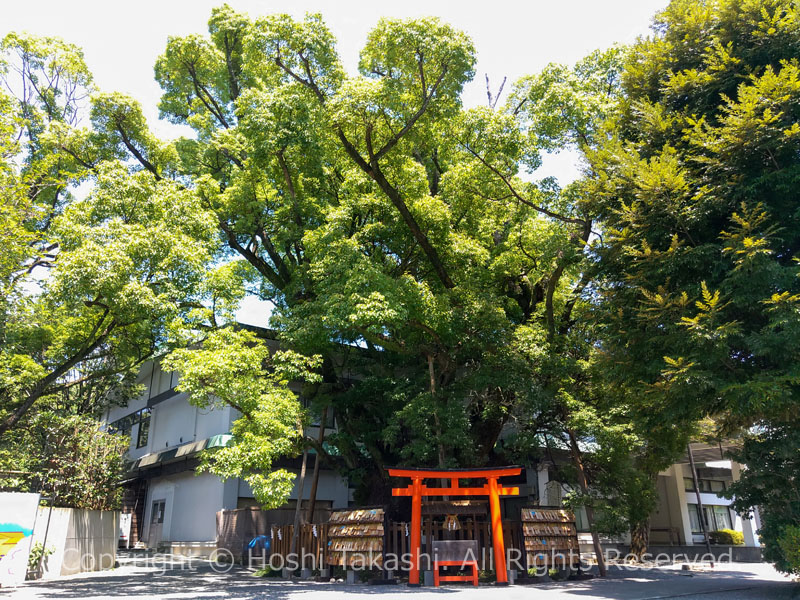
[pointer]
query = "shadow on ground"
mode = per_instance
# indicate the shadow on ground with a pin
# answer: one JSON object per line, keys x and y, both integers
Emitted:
{"x": 200, "y": 581}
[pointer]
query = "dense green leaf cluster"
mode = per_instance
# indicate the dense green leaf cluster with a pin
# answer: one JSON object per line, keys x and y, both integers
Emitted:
{"x": 395, "y": 233}
{"x": 90, "y": 281}
{"x": 66, "y": 459}
{"x": 697, "y": 187}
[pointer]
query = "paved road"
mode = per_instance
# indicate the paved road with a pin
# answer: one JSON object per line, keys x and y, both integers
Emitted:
{"x": 135, "y": 579}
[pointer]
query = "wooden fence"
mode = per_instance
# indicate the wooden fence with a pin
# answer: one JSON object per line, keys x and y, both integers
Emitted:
{"x": 313, "y": 540}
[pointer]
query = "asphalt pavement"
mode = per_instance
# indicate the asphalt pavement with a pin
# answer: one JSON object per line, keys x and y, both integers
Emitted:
{"x": 172, "y": 579}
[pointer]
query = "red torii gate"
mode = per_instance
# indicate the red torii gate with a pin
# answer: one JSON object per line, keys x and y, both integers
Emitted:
{"x": 492, "y": 488}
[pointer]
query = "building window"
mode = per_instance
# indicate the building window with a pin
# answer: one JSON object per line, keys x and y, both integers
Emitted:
{"x": 157, "y": 516}
{"x": 144, "y": 428}
{"x": 316, "y": 415}
{"x": 126, "y": 423}
{"x": 706, "y": 485}
{"x": 718, "y": 517}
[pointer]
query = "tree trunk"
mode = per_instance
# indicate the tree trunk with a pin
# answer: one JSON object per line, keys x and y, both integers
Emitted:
{"x": 437, "y": 425}
{"x": 298, "y": 510}
{"x": 640, "y": 538}
{"x": 578, "y": 462}
{"x": 312, "y": 500}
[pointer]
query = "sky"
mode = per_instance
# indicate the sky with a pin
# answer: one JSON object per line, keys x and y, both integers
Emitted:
{"x": 121, "y": 41}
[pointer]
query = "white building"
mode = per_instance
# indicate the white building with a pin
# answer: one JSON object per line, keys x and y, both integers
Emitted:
{"x": 171, "y": 506}
{"x": 677, "y": 516}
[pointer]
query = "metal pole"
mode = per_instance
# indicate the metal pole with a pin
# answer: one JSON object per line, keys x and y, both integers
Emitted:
{"x": 46, "y": 531}
{"x": 700, "y": 510}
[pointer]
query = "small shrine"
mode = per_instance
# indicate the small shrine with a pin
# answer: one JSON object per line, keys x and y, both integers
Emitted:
{"x": 492, "y": 488}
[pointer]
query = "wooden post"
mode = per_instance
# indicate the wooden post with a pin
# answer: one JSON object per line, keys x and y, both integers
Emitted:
{"x": 497, "y": 533}
{"x": 416, "y": 527}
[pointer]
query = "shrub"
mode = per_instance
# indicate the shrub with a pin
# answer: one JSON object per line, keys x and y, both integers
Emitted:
{"x": 789, "y": 542}
{"x": 67, "y": 458}
{"x": 726, "y": 537}
{"x": 38, "y": 553}
{"x": 268, "y": 572}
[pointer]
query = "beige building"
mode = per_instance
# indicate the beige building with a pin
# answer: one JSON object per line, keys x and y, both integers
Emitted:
{"x": 677, "y": 520}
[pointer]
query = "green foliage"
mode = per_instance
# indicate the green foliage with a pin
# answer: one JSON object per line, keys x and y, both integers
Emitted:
{"x": 38, "y": 553}
{"x": 89, "y": 285}
{"x": 770, "y": 483}
{"x": 233, "y": 368}
{"x": 697, "y": 191}
{"x": 66, "y": 458}
{"x": 567, "y": 106}
{"x": 789, "y": 543}
{"x": 727, "y": 537}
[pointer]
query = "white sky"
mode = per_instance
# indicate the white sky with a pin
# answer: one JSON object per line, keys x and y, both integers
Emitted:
{"x": 121, "y": 40}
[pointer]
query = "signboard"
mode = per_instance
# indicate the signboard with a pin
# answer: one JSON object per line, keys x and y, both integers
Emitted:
{"x": 17, "y": 518}
{"x": 125, "y": 529}
{"x": 551, "y": 537}
{"x": 355, "y": 534}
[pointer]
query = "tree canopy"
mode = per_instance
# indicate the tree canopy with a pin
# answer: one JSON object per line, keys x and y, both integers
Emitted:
{"x": 449, "y": 307}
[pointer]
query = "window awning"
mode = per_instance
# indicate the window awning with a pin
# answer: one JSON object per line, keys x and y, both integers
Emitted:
{"x": 179, "y": 452}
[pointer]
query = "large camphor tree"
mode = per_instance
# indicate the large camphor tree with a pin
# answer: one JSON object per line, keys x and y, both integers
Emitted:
{"x": 389, "y": 227}
{"x": 400, "y": 239}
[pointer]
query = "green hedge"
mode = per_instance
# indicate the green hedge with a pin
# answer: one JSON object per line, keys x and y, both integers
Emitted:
{"x": 726, "y": 537}
{"x": 789, "y": 541}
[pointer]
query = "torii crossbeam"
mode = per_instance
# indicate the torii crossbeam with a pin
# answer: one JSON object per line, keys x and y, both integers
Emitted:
{"x": 491, "y": 488}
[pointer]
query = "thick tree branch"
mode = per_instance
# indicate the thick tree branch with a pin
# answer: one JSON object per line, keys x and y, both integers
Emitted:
{"x": 517, "y": 195}
{"x": 255, "y": 260}
{"x": 287, "y": 177}
{"x": 411, "y": 222}
{"x": 138, "y": 155}
{"x": 92, "y": 342}
{"x": 414, "y": 118}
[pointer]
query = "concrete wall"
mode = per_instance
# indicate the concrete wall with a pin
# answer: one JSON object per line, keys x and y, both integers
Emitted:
{"x": 191, "y": 505}
{"x": 84, "y": 540}
{"x": 192, "y": 502}
{"x": 173, "y": 422}
{"x": 692, "y": 553}
{"x": 331, "y": 487}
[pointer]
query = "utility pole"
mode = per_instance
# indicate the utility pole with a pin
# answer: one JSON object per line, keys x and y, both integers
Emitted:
{"x": 312, "y": 501}
{"x": 700, "y": 510}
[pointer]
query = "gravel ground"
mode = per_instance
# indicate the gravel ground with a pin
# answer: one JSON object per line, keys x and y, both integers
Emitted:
{"x": 199, "y": 580}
